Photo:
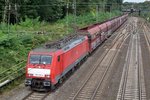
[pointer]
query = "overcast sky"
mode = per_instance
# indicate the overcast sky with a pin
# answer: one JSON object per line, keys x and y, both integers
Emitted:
{"x": 134, "y": 0}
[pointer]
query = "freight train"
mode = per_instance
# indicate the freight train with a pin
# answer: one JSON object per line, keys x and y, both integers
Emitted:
{"x": 48, "y": 65}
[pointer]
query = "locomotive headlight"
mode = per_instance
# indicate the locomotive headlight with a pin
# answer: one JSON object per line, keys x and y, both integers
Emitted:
{"x": 48, "y": 76}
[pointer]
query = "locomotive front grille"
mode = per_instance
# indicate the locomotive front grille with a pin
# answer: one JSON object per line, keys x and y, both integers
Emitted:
{"x": 38, "y": 83}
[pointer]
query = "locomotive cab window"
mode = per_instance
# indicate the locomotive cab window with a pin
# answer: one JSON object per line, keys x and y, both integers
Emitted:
{"x": 40, "y": 59}
{"x": 58, "y": 59}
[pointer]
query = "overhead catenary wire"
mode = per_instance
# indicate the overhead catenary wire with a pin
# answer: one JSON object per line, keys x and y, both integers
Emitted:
{"x": 60, "y": 4}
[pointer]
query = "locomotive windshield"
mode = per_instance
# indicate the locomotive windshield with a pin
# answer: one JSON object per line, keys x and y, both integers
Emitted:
{"x": 40, "y": 59}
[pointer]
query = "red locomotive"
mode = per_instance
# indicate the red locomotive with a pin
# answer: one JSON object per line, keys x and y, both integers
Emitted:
{"x": 46, "y": 66}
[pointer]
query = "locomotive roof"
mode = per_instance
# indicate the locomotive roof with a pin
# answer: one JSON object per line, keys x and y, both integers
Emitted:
{"x": 65, "y": 44}
{"x": 43, "y": 49}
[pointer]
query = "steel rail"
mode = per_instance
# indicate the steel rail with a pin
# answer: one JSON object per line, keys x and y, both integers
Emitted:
{"x": 125, "y": 74}
{"x": 139, "y": 74}
{"x": 146, "y": 37}
{"x": 34, "y": 95}
{"x": 25, "y": 98}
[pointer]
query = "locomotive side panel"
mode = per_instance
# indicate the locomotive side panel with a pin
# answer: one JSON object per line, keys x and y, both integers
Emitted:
{"x": 74, "y": 55}
{"x": 70, "y": 57}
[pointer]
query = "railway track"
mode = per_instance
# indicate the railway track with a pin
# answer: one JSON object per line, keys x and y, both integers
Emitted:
{"x": 132, "y": 86}
{"x": 90, "y": 89}
{"x": 36, "y": 96}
